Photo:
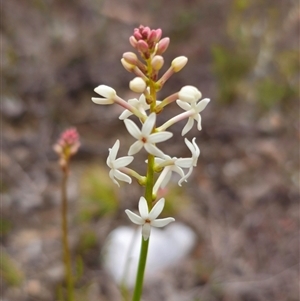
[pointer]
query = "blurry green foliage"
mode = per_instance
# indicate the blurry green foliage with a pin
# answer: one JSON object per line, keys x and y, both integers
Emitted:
{"x": 87, "y": 241}
{"x": 230, "y": 69}
{"x": 99, "y": 197}
{"x": 176, "y": 200}
{"x": 252, "y": 66}
{"x": 5, "y": 226}
{"x": 270, "y": 92}
{"x": 183, "y": 22}
{"x": 9, "y": 271}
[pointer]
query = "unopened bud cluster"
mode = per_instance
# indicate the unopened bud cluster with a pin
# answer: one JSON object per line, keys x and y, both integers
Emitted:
{"x": 150, "y": 46}
{"x": 67, "y": 146}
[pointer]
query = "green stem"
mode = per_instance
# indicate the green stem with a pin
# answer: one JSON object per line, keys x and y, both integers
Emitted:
{"x": 66, "y": 249}
{"x": 137, "y": 293}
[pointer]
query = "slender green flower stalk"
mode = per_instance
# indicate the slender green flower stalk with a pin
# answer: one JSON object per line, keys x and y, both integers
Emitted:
{"x": 66, "y": 147}
{"x": 150, "y": 47}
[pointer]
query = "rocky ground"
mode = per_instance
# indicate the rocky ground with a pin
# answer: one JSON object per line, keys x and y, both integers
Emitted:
{"x": 243, "y": 198}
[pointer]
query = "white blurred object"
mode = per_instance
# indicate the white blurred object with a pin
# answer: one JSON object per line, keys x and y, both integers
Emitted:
{"x": 166, "y": 247}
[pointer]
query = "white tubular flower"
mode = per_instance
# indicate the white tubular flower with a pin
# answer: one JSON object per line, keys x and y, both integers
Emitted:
{"x": 140, "y": 104}
{"x": 117, "y": 164}
{"x": 148, "y": 219}
{"x": 194, "y": 109}
{"x": 169, "y": 166}
{"x": 189, "y": 162}
{"x": 108, "y": 93}
{"x": 145, "y": 138}
{"x": 189, "y": 94}
{"x": 137, "y": 85}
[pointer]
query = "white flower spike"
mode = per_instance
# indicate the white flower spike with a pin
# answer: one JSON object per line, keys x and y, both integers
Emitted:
{"x": 117, "y": 164}
{"x": 145, "y": 138}
{"x": 148, "y": 219}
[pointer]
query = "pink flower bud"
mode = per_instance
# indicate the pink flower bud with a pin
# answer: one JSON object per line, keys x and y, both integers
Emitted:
{"x": 67, "y": 145}
{"x": 158, "y": 34}
{"x": 162, "y": 45}
{"x": 146, "y": 32}
{"x": 142, "y": 46}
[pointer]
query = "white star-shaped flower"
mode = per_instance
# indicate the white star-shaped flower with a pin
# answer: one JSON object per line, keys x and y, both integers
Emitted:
{"x": 189, "y": 162}
{"x": 195, "y": 109}
{"x": 169, "y": 166}
{"x": 139, "y": 104}
{"x": 108, "y": 93}
{"x": 145, "y": 138}
{"x": 117, "y": 164}
{"x": 148, "y": 219}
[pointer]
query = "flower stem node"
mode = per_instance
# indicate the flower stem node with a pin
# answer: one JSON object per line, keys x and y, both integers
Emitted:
{"x": 148, "y": 219}
{"x": 137, "y": 85}
{"x": 178, "y": 63}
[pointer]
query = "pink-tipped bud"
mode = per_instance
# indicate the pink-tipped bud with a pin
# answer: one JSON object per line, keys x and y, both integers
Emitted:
{"x": 130, "y": 58}
{"x": 162, "y": 45}
{"x": 127, "y": 66}
{"x": 146, "y": 32}
{"x": 178, "y": 63}
{"x": 157, "y": 62}
{"x": 142, "y": 46}
{"x": 137, "y": 85}
{"x": 137, "y": 35}
{"x": 158, "y": 33}
{"x": 133, "y": 41}
{"x": 67, "y": 145}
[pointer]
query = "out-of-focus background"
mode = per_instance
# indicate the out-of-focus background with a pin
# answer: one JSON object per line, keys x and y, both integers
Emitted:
{"x": 243, "y": 198}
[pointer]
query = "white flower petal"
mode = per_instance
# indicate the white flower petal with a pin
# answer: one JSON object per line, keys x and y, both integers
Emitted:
{"x": 134, "y": 217}
{"x": 167, "y": 177}
{"x": 157, "y": 209}
{"x": 146, "y": 229}
{"x": 153, "y": 150}
{"x": 123, "y": 161}
{"x": 132, "y": 128}
{"x": 162, "y": 222}
{"x": 198, "y": 119}
{"x": 202, "y": 104}
{"x": 188, "y": 126}
{"x": 148, "y": 125}
{"x": 102, "y": 101}
{"x": 143, "y": 208}
{"x": 112, "y": 176}
{"x": 135, "y": 147}
{"x": 106, "y": 91}
{"x": 183, "y": 179}
{"x": 184, "y": 162}
{"x": 114, "y": 150}
{"x": 125, "y": 114}
{"x": 122, "y": 176}
{"x": 183, "y": 105}
{"x": 159, "y": 137}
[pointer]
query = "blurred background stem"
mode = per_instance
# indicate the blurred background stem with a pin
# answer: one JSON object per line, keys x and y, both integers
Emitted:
{"x": 66, "y": 248}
